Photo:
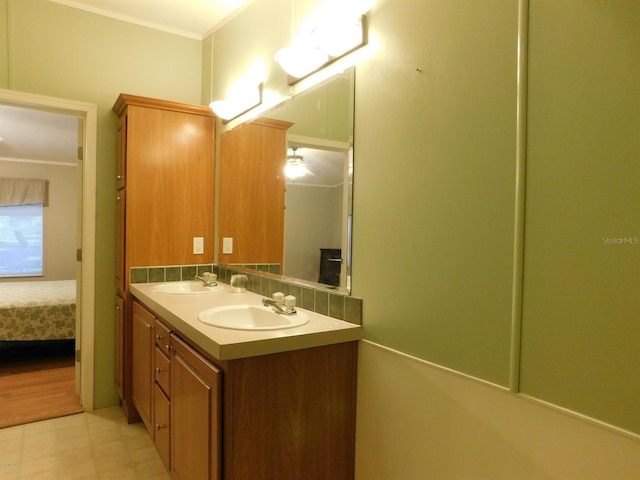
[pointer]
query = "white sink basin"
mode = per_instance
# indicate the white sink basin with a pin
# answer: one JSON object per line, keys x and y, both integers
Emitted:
{"x": 250, "y": 317}
{"x": 185, "y": 288}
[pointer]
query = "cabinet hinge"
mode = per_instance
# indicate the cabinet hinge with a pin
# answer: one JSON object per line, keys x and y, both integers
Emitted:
{"x": 80, "y": 153}
{"x": 79, "y": 255}
{"x": 78, "y": 356}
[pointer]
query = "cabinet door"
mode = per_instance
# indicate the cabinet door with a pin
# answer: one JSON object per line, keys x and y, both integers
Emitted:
{"x": 167, "y": 167}
{"x": 142, "y": 363}
{"x": 119, "y": 328}
{"x": 257, "y": 149}
{"x": 121, "y": 158}
{"x": 195, "y": 415}
{"x": 120, "y": 240}
{"x": 162, "y": 426}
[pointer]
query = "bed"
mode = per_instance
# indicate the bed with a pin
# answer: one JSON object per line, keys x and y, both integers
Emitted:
{"x": 37, "y": 310}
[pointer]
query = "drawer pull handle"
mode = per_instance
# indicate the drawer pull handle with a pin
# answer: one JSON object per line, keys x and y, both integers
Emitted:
{"x": 160, "y": 427}
{"x": 168, "y": 347}
{"x": 158, "y": 337}
{"x": 159, "y": 370}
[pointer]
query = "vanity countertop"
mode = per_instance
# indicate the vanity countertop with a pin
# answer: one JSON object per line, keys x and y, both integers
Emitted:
{"x": 181, "y": 312}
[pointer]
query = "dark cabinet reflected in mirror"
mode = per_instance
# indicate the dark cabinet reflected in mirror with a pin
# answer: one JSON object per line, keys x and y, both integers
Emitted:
{"x": 302, "y": 152}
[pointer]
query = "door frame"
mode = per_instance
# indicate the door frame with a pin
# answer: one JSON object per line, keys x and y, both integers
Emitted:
{"x": 86, "y": 304}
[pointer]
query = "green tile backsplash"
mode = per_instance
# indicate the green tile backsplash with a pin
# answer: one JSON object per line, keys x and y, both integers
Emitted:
{"x": 342, "y": 307}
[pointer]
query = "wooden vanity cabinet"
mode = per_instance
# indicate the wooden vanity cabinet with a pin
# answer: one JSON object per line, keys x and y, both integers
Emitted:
{"x": 164, "y": 197}
{"x": 288, "y": 415}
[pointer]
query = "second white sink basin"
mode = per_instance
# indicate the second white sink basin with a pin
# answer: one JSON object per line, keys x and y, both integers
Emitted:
{"x": 185, "y": 288}
{"x": 250, "y": 317}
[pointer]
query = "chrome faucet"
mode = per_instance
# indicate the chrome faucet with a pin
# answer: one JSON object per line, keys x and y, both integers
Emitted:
{"x": 278, "y": 307}
{"x": 208, "y": 279}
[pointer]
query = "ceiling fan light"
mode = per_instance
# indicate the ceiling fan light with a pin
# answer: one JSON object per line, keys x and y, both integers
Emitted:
{"x": 294, "y": 170}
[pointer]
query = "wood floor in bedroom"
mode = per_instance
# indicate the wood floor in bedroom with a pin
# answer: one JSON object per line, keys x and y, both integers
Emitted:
{"x": 37, "y": 382}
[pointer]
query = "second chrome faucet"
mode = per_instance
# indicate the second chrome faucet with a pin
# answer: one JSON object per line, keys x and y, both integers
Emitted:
{"x": 281, "y": 304}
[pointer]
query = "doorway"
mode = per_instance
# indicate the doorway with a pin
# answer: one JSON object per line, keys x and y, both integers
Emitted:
{"x": 85, "y": 271}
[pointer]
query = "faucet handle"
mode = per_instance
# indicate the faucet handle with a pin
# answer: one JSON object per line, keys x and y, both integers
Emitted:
{"x": 278, "y": 297}
{"x": 290, "y": 301}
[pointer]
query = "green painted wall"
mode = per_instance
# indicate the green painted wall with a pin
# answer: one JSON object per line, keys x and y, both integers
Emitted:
{"x": 248, "y": 40}
{"x": 4, "y": 45}
{"x": 64, "y": 52}
{"x": 581, "y": 328}
{"x": 434, "y": 182}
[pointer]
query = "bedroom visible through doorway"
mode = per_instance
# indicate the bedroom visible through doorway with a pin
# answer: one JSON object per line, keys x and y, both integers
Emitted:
{"x": 80, "y": 125}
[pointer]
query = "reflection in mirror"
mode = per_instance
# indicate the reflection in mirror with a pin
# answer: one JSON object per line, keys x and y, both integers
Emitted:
{"x": 318, "y": 213}
{"x": 317, "y": 201}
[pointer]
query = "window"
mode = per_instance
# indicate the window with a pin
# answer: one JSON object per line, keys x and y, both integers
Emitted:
{"x": 21, "y": 232}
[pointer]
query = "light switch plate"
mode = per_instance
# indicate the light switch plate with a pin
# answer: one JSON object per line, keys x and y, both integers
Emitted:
{"x": 198, "y": 245}
{"x": 227, "y": 245}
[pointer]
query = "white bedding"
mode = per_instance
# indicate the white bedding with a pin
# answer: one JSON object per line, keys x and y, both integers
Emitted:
{"x": 37, "y": 310}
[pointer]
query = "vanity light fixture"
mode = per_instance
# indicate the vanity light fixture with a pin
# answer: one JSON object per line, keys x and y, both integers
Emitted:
{"x": 326, "y": 42}
{"x": 241, "y": 98}
{"x": 294, "y": 168}
{"x": 300, "y": 60}
{"x": 338, "y": 37}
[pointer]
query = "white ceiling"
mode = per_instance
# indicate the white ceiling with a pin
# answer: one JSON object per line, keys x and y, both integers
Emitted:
{"x": 190, "y": 18}
{"x": 37, "y": 136}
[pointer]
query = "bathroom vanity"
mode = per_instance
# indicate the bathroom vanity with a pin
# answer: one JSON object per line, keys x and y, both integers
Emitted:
{"x": 223, "y": 403}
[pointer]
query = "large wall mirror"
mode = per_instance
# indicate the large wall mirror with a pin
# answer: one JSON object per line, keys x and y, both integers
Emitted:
{"x": 314, "y": 169}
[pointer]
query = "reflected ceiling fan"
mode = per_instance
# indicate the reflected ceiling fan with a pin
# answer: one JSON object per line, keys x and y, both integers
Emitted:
{"x": 295, "y": 168}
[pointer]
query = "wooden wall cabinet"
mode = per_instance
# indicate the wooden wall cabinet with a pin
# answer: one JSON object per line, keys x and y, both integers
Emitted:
{"x": 165, "y": 198}
{"x": 252, "y": 187}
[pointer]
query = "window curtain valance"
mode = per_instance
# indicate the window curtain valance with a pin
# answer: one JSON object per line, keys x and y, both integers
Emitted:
{"x": 23, "y": 191}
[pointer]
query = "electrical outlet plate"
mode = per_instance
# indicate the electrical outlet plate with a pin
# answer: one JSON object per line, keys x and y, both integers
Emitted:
{"x": 227, "y": 245}
{"x": 198, "y": 245}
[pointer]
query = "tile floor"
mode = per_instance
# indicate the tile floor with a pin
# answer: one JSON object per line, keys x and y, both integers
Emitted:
{"x": 96, "y": 445}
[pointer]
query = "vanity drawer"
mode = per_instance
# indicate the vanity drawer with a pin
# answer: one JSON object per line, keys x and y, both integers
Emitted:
{"x": 162, "y": 371}
{"x": 162, "y": 334}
